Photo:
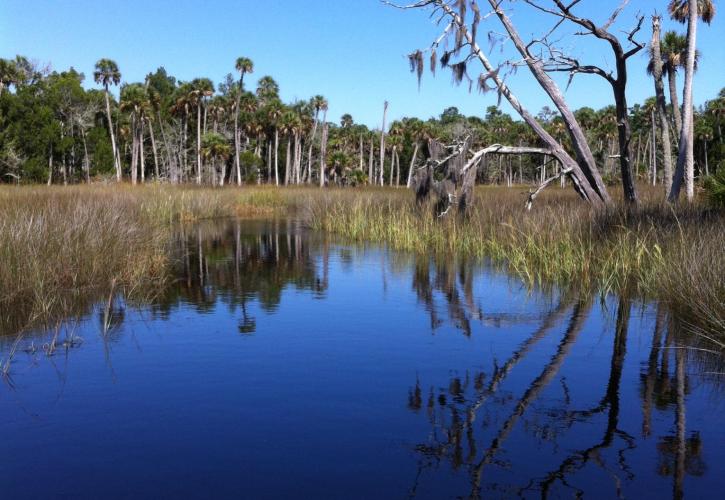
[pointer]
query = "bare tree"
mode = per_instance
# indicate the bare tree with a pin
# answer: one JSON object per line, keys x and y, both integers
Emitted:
{"x": 561, "y": 62}
{"x": 582, "y": 170}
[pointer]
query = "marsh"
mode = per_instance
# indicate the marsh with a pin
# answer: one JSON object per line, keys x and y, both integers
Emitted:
{"x": 280, "y": 358}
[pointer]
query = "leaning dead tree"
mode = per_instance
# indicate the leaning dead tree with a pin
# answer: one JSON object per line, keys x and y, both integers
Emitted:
{"x": 459, "y": 165}
{"x": 460, "y": 20}
{"x": 557, "y": 61}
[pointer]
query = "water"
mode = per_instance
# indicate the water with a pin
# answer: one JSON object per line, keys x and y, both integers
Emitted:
{"x": 282, "y": 364}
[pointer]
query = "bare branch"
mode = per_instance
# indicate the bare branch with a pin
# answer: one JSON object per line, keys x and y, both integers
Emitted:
{"x": 533, "y": 194}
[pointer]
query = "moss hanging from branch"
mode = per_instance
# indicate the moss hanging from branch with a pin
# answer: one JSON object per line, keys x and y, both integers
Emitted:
{"x": 416, "y": 64}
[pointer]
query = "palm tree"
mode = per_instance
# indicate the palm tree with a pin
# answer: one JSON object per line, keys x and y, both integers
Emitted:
{"x": 346, "y": 121}
{"x": 267, "y": 89}
{"x": 201, "y": 89}
{"x": 323, "y": 145}
{"x": 135, "y": 101}
{"x": 107, "y": 73}
{"x": 673, "y": 50}
{"x": 655, "y": 68}
{"x": 287, "y": 125}
{"x": 689, "y": 10}
{"x": 318, "y": 103}
{"x": 243, "y": 65}
{"x": 273, "y": 111}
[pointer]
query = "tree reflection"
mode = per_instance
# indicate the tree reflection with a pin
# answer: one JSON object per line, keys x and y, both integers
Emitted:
{"x": 453, "y": 410}
{"x": 228, "y": 263}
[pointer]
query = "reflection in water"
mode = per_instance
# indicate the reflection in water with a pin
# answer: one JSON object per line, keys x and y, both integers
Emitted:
{"x": 222, "y": 262}
{"x": 533, "y": 395}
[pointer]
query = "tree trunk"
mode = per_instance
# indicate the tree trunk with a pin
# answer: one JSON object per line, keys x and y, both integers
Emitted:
{"x": 237, "y": 133}
{"x": 674, "y": 100}
{"x": 171, "y": 167}
{"x": 153, "y": 148}
{"x": 312, "y": 143}
{"x": 412, "y": 165}
{"x": 116, "y": 162}
{"x": 371, "y": 179}
{"x": 323, "y": 152}
{"x": 587, "y": 177}
{"x": 362, "y": 161}
{"x": 141, "y": 152}
{"x": 323, "y": 148}
{"x": 50, "y": 165}
{"x": 661, "y": 105}
{"x": 685, "y": 161}
{"x": 198, "y": 142}
{"x": 134, "y": 149}
{"x": 287, "y": 161}
{"x": 276, "y": 157}
{"x": 86, "y": 160}
{"x": 382, "y": 145}
{"x": 654, "y": 148}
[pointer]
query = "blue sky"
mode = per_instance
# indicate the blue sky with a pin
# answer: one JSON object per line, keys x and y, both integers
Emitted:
{"x": 350, "y": 51}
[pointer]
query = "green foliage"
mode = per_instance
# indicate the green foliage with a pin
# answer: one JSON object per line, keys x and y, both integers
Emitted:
{"x": 715, "y": 188}
{"x": 357, "y": 178}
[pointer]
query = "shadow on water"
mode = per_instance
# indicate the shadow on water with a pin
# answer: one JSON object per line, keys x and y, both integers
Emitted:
{"x": 536, "y": 394}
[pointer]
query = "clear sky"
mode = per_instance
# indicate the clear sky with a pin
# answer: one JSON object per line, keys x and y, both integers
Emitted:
{"x": 351, "y": 51}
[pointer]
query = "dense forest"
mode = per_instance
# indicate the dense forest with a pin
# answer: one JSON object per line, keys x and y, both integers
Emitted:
{"x": 55, "y": 130}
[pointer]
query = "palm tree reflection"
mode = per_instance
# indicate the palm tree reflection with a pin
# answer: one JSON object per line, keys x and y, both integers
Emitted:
{"x": 230, "y": 264}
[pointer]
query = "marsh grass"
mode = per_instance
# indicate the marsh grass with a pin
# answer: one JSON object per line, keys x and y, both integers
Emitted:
{"x": 63, "y": 248}
{"x": 654, "y": 251}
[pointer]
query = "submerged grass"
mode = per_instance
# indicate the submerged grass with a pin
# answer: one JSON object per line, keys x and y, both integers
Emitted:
{"x": 63, "y": 246}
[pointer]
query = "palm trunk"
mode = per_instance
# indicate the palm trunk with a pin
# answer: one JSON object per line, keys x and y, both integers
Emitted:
{"x": 371, "y": 179}
{"x": 661, "y": 105}
{"x": 198, "y": 142}
{"x": 412, "y": 165}
{"x": 654, "y": 148}
{"x": 312, "y": 142}
{"x": 323, "y": 150}
{"x": 237, "y": 132}
{"x": 153, "y": 148}
{"x": 141, "y": 152}
{"x": 674, "y": 100}
{"x": 287, "y": 161}
{"x": 685, "y": 159}
{"x": 297, "y": 158}
{"x": 382, "y": 145}
{"x": 116, "y": 162}
{"x": 362, "y": 161}
{"x": 276, "y": 157}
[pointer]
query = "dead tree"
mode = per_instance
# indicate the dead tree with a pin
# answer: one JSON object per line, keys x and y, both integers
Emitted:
{"x": 459, "y": 170}
{"x": 581, "y": 168}
{"x": 558, "y": 61}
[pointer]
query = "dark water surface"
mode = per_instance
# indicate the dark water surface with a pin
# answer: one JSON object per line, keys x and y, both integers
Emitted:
{"x": 280, "y": 364}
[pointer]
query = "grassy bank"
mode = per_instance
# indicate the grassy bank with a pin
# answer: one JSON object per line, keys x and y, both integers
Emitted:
{"x": 653, "y": 251}
{"x": 63, "y": 247}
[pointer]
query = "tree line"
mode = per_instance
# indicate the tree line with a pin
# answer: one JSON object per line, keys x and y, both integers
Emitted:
{"x": 54, "y": 130}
